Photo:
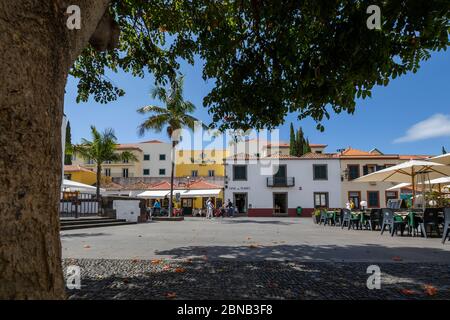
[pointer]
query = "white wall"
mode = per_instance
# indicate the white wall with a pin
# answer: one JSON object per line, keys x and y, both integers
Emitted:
{"x": 302, "y": 194}
{"x": 154, "y": 150}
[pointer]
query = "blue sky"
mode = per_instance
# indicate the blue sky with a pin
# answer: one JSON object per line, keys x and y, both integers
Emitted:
{"x": 410, "y": 116}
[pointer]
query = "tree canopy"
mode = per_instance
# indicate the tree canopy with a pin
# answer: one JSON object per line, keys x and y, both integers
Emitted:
{"x": 268, "y": 58}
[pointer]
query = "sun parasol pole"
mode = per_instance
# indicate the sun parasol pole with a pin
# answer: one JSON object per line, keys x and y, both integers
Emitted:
{"x": 413, "y": 201}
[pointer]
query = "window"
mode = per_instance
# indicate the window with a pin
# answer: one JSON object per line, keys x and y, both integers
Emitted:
{"x": 90, "y": 161}
{"x": 320, "y": 199}
{"x": 108, "y": 162}
{"x": 320, "y": 172}
{"x": 68, "y": 176}
{"x": 125, "y": 161}
{"x": 125, "y": 173}
{"x": 194, "y": 173}
{"x": 107, "y": 172}
{"x": 146, "y": 172}
{"x": 162, "y": 157}
{"x": 353, "y": 171}
{"x": 74, "y": 157}
{"x": 391, "y": 195}
{"x": 146, "y": 157}
{"x": 162, "y": 172}
{"x": 370, "y": 168}
{"x": 240, "y": 173}
{"x": 373, "y": 199}
{"x": 211, "y": 173}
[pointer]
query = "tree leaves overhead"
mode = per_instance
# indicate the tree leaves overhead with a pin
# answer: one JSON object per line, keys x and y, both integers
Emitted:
{"x": 269, "y": 58}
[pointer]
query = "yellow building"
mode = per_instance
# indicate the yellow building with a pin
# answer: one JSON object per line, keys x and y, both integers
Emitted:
{"x": 200, "y": 163}
{"x": 119, "y": 169}
{"x": 80, "y": 174}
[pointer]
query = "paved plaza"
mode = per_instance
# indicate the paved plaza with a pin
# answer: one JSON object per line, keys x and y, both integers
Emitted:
{"x": 248, "y": 258}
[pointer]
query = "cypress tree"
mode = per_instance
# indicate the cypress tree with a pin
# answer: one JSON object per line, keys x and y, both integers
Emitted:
{"x": 306, "y": 147}
{"x": 300, "y": 142}
{"x": 443, "y": 150}
{"x": 292, "y": 142}
{"x": 68, "y": 148}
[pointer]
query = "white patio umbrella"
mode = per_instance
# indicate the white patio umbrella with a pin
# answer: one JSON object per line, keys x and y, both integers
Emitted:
{"x": 399, "y": 186}
{"x": 408, "y": 172}
{"x": 443, "y": 159}
{"x": 434, "y": 182}
{"x": 69, "y": 185}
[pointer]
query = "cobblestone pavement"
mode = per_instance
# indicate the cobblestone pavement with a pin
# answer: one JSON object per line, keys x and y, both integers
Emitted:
{"x": 202, "y": 278}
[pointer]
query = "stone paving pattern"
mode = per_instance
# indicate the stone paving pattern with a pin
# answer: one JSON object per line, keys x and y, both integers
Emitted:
{"x": 203, "y": 279}
{"x": 259, "y": 258}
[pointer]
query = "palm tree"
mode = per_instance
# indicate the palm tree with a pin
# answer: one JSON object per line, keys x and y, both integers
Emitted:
{"x": 102, "y": 148}
{"x": 173, "y": 116}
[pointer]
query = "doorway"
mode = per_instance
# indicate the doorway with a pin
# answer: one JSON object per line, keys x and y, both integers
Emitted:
{"x": 240, "y": 202}
{"x": 280, "y": 203}
{"x": 355, "y": 196}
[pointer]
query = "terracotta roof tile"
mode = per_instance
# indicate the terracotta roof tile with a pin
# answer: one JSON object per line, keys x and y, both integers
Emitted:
{"x": 313, "y": 155}
{"x": 111, "y": 186}
{"x": 128, "y": 146}
{"x": 152, "y": 141}
{"x": 76, "y": 168}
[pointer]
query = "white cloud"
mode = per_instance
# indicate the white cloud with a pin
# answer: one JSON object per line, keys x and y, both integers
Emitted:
{"x": 437, "y": 125}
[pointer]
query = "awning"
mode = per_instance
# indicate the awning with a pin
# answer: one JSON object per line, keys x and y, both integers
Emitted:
{"x": 69, "y": 186}
{"x": 201, "y": 193}
{"x": 154, "y": 194}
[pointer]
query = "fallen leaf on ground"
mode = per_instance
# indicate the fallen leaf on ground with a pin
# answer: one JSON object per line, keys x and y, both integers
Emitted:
{"x": 408, "y": 292}
{"x": 180, "y": 270}
{"x": 171, "y": 295}
{"x": 135, "y": 260}
{"x": 156, "y": 261}
{"x": 430, "y": 290}
{"x": 249, "y": 238}
{"x": 396, "y": 258}
{"x": 87, "y": 247}
{"x": 165, "y": 268}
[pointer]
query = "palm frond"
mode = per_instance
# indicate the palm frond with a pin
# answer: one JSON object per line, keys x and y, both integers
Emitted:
{"x": 152, "y": 108}
{"x": 159, "y": 93}
{"x": 156, "y": 123}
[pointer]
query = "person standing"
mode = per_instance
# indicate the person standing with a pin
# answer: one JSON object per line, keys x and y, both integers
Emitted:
{"x": 230, "y": 208}
{"x": 209, "y": 208}
{"x": 156, "y": 208}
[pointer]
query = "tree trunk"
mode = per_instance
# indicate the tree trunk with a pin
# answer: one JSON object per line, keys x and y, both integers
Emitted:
{"x": 36, "y": 50}
{"x": 99, "y": 178}
{"x": 172, "y": 174}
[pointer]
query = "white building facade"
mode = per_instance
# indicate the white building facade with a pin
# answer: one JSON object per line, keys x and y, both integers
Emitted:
{"x": 156, "y": 159}
{"x": 306, "y": 182}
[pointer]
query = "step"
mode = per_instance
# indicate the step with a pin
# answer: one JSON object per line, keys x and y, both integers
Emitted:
{"x": 95, "y": 225}
{"x": 91, "y": 221}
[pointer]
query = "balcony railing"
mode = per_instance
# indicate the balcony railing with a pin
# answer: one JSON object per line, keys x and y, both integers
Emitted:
{"x": 279, "y": 182}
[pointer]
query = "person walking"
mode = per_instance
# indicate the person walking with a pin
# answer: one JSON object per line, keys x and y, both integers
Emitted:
{"x": 230, "y": 208}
